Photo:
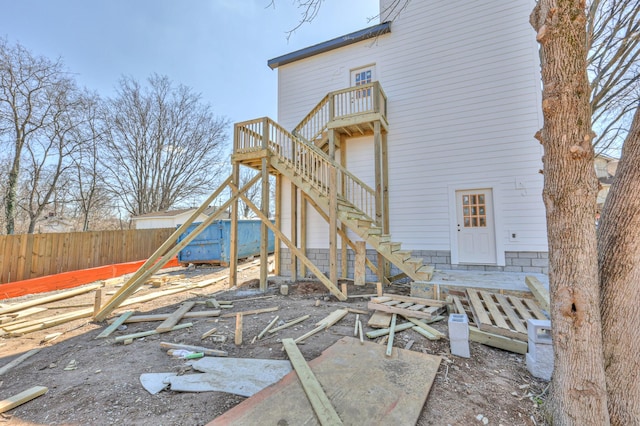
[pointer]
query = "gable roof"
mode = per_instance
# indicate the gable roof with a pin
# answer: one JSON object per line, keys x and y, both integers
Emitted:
{"x": 332, "y": 44}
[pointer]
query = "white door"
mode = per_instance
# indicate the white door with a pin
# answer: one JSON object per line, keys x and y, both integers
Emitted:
{"x": 475, "y": 227}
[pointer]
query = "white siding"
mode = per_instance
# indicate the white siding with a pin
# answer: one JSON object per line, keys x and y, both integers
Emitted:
{"x": 463, "y": 88}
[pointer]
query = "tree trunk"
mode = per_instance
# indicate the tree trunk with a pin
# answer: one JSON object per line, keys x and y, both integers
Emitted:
{"x": 578, "y": 391}
{"x": 619, "y": 259}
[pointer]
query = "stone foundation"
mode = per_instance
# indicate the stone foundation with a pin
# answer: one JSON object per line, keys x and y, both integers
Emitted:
{"x": 527, "y": 262}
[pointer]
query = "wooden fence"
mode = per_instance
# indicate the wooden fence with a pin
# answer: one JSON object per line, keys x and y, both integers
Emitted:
{"x": 27, "y": 256}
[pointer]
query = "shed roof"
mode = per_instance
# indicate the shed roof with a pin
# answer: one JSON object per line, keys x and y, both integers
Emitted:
{"x": 332, "y": 44}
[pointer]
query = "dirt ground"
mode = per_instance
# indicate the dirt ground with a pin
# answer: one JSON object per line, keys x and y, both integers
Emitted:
{"x": 102, "y": 387}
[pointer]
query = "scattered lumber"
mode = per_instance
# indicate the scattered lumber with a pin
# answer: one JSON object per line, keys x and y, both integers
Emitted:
{"x": 497, "y": 341}
{"x": 52, "y": 298}
{"x": 252, "y": 312}
{"x": 414, "y": 307}
{"x": 385, "y": 331}
{"x": 317, "y": 397}
{"x": 149, "y": 333}
{"x": 271, "y": 324}
{"x": 18, "y": 360}
{"x": 333, "y": 318}
{"x": 22, "y": 397}
{"x": 208, "y": 333}
{"x": 206, "y": 351}
{"x": 41, "y": 324}
{"x": 499, "y": 314}
{"x": 289, "y": 324}
{"x": 430, "y": 330}
{"x": 162, "y": 317}
{"x": 539, "y": 291}
{"x": 175, "y": 317}
{"x": 19, "y": 315}
{"x": 117, "y": 323}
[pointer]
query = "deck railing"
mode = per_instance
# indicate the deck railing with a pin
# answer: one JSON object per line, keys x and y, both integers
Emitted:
{"x": 367, "y": 98}
{"x": 307, "y": 161}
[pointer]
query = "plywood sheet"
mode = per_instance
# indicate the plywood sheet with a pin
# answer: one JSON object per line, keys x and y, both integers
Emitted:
{"x": 360, "y": 381}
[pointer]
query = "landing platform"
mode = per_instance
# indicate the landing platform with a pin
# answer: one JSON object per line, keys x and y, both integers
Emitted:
{"x": 509, "y": 281}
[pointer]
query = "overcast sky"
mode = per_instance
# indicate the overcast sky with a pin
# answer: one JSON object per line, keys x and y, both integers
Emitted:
{"x": 219, "y": 48}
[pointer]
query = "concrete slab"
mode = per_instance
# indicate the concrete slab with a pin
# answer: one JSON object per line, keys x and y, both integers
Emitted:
{"x": 155, "y": 382}
{"x": 510, "y": 281}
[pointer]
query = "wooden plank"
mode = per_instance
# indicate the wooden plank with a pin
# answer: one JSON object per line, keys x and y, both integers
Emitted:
{"x": 162, "y": 317}
{"x": 381, "y": 299}
{"x": 514, "y": 319}
{"x": 478, "y": 308}
{"x": 117, "y": 323}
{"x": 497, "y": 316}
{"x": 385, "y": 331}
{"x": 208, "y": 333}
{"x": 268, "y": 327}
{"x": 539, "y": 291}
{"x": 150, "y": 332}
{"x": 379, "y": 319}
{"x": 497, "y": 341}
{"x": 47, "y": 299}
{"x": 418, "y": 300}
{"x": 392, "y": 333}
{"x": 18, "y": 360}
{"x": 289, "y": 324}
{"x": 315, "y": 394}
{"x": 522, "y": 310}
{"x": 318, "y": 329}
{"x": 206, "y": 351}
{"x": 251, "y": 312}
{"x": 535, "y": 309}
{"x": 426, "y": 327}
{"x": 175, "y": 317}
{"x": 238, "y": 331}
{"x": 394, "y": 310}
{"x": 97, "y": 303}
{"x": 22, "y": 397}
{"x": 458, "y": 305}
{"x": 332, "y": 318}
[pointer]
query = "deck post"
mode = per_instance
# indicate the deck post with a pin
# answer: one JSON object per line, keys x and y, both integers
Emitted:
{"x": 303, "y": 232}
{"x": 233, "y": 232}
{"x": 278, "y": 208}
{"x": 333, "y": 212}
{"x": 294, "y": 230}
{"x": 343, "y": 227}
{"x": 264, "y": 230}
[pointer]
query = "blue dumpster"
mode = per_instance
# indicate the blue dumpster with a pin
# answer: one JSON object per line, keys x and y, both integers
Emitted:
{"x": 213, "y": 244}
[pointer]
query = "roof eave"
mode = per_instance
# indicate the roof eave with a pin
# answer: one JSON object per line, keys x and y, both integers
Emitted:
{"x": 332, "y": 44}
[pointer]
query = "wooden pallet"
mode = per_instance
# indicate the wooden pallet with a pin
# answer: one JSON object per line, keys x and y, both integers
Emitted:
{"x": 412, "y": 307}
{"x": 497, "y": 313}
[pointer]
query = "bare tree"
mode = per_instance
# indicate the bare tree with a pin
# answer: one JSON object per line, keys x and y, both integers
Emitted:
{"x": 163, "y": 145}
{"x": 27, "y": 85}
{"x": 89, "y": 195}
{"x": 614, "y": 67}
{"x": 49, "y": 152}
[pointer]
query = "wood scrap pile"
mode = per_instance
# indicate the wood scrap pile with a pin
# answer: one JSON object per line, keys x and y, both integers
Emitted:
{"x": 496, "y": 319}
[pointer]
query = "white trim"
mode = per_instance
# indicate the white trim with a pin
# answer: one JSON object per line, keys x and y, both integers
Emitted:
{"x": 497, "y": 217}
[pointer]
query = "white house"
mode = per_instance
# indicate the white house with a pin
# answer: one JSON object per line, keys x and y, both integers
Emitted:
{"x": 442, "y": 131}
{"x": 169, "y": 218}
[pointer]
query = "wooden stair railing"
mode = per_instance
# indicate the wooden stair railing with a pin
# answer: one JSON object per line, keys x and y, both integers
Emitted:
{"x": 310, "y": 169}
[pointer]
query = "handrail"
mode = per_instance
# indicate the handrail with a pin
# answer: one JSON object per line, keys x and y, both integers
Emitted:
{"x": 366, "y": 98}
{"x": 308, "y": 161}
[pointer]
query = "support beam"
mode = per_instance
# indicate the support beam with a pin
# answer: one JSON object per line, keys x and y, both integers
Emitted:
{"x": 333, "y": 211}
{"x": 264, "y": 231}
{"x": 147, "y": 269}
{"x": 278, "y": 208}
{"x": 294, "y": 230}
{"x": 303, "y": 233}
{"x": 359, "y": 271}
{"x": 317, "y": 272}
{"x": 233, "y": 237}
{"x": 343, "y": 244}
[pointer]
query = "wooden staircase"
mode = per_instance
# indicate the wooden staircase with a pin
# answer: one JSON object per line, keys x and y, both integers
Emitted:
{"x": 300, "y": 156}
{"x": 359, "y": 222}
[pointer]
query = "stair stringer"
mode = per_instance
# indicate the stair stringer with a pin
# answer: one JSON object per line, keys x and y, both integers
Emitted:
{"x": 361, "y": 224}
